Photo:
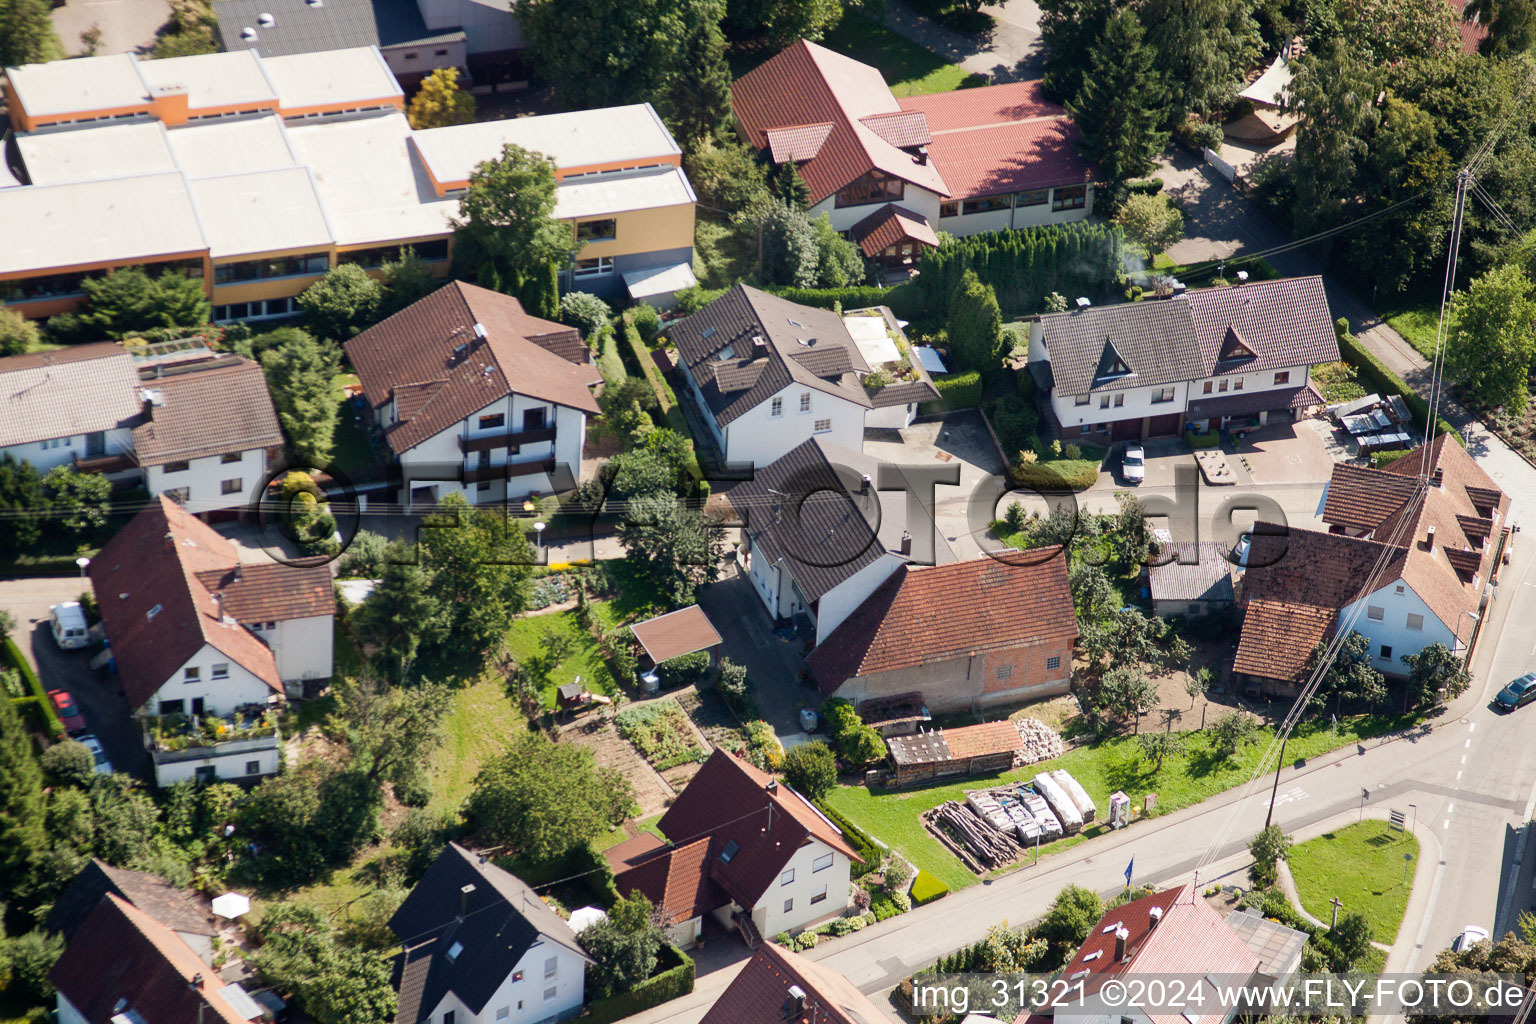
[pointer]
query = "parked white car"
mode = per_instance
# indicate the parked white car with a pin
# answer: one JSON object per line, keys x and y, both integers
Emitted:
{"x": 1133, "y": 464}
{"x": 91, "y": 743}
{"x": 1470, "y": 936}
{"x": 68, "y": 624}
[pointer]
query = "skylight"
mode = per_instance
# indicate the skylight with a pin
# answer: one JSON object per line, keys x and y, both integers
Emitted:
{"x": 708, "y": 332}
{"x": 729, "y": 851}
{"x": 454, "y": 951}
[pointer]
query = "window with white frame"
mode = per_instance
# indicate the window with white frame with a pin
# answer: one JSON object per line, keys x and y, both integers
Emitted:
{"x": 220, "y": 670}
{"x": 1415, "y": 622}
{"x": 1283, "y": 377}
{"x": 1120, "y": 401}
{"x": 549, "y": 993}
{"x": 598, "y": 267}
{"x": 789, "y": 905}
{"x": 1375, "y": 613}
{"x": 821, "y": 863}
{"x": 229, "y": 457}
{"x": 1081, "y": 399}
{"x": 805, "y": 401}
{"x": 551, "y": 967}
{"x": 821, "y": 426}
{"x": 819, "y": 895}
{"x": 232, "y": 486}
{"x": 776, "y": 407}
{"x": 787, "y": 877}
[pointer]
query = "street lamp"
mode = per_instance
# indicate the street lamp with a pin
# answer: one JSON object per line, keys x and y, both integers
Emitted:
{"x": 82, "y": 562}
{"x": 538, "y": 533}
{"x": 1474, "y": 616}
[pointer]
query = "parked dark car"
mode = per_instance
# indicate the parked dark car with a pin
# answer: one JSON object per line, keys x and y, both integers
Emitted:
{"x": 1518, "y": 693}
{"x": 69, "y": 714}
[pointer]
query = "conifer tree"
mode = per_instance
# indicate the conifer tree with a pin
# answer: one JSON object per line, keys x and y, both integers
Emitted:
{"x": 1120, "y": 103}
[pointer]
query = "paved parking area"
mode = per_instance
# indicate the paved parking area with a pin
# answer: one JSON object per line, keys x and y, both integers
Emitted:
{"x": 773, "y": 663}
{"x": 958, "y": 438}
{"x": 127, "y": 26}
{"x": 99, "y": 696}
{"x": 1286, "y": 453}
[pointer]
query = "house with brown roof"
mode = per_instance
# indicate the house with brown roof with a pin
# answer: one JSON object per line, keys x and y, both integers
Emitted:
{"x": 206, "y": 646}
{"x": 780, "y": 987}
{"x": 478, "y": 946}
{"x": 186, "y": 422}
{"x": 1408, "y": 562}
{"x": 819, "y": 535}
{"x": 122, "y": 965}
{"x": 1208, "y": 359}
{"x": 185, "y": 914}
{"x": 1176, "y": 933}
{"x": 893, "y": 172}
{"x": 768, "y": 374}
{"x": 965, "y": 635}
{"x": 742, "y": 847}
{"x": 475, "y": 397}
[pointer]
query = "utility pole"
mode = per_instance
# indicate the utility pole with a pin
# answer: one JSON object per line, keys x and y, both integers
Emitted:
{"x": 1337, "y": 903}
{"x": 1276, "y": 787}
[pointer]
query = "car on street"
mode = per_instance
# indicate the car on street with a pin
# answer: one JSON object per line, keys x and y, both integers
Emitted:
{"x": 91, "y": 743}
{"x": 68, "y": 712}
{"x": 1518, "y": 693}
{"x": 1470, "y": 936}
{"x": 1133, "y": 464}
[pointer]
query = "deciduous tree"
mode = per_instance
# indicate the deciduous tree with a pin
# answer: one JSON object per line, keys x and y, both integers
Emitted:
{"x": 675, "y": 548}
{"x": 1435, "y": 674}
{"x": 811, "y": 768}
{"x": 778, "y": 23}
{"x": 1339, "y": 95}
{"x": 343, "y": 302}
{"x": 1493, "y": 336}
{"x": 479, "y": 564}
{"x": 541, "y": 798}
{"x": 1266, "y": 848}
{"x": 1231, "y": 733}
{"x": 1152, "y": 222}
{"x": 440, "y": 102}
{"x": 335, "y": 983}
{"x": 17, "y": 334}
{"x": 1157, "y": 747}
{"x": 125, "y": 302}
{"x": 26, "y": 33}
{"x": 624, "y": 946}
{"x": 78, "y": 503}
{"x": 1386, "y": 31}
{"x": 506, "y": 223}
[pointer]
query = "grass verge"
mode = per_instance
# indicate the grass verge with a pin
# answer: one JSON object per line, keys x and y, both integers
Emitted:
{"x": 618, "y": 835}
{"x": 1417, "y": 324}
{"x": 1193, "y": 775}
{"x": 1363, "y": 866}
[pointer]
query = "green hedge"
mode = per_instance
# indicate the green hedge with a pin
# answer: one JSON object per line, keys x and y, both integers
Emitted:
{"x": 1209, "y": 439}
{"x": 862, "y": 845}
{"x": 50, "y": 717}
{"x": 957, "y": 391}
{"x": 926, "y": 889}
{"x": 905, "y": 300}
{"x": 1379, "y": 459}
{"x": 609, "y": 362}
{"x": 1024, "y": 266}
{"x": 1375, "y": 376}
{"x": 1055, "y": 476}
{"x": 673, "y": 980}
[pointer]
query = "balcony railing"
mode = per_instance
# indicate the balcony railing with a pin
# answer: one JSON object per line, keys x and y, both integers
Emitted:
{"x": 177, "y": 737}
{"x": 118, "y": 463}
{"x": 479, "y": 473}
{"x": 511, "y": 439}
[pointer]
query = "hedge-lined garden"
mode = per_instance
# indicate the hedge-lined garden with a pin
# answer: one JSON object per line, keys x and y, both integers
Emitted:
{"x": 1026, "y": 266}
{"x": 34, "y": 706}
{"x": 1374, "y": 375}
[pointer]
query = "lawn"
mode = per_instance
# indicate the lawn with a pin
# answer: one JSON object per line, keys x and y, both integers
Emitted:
{"x": 618, "y": 835}
{"x": 1363, "y": 866}
{"x": 1418, "y": 324}
{"x": 531, "y": 640}
{"x": 893, "y": 816}
{"x": 479, "y": 725}
{"x": 352, "y": 453}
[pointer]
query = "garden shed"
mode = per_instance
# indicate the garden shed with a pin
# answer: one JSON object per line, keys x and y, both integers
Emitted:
{"x": 675, "y": 634}
{"x": 968, "y": 750}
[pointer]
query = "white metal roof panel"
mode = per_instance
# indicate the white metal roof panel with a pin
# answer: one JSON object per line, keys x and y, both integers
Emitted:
{"x": 235, "y": 145}
{"x": 89, "y": 153}
{"x": 597, "y": 196}
{"x": 212, "y": 80}
{"x": 261, "y": 212}
{"x": 338, "y": 78}
{"x": 78, "y": 86}
{"x": 94, "y": 222}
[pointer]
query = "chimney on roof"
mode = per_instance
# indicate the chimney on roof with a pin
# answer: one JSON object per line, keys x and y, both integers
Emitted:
{"x": 1156, "y": 915}
{"x": 197, "y": 980}
{"x": 772, "y": 786}
{"x": 1437, "y": 477}
{"x": 864, "y": 484}
{"x": 239, "y": 571}
{"x": 922, "y": 156}
{"x": 170, "y": 542}
{"x": 798, "y": 1000}
{"x": 1122, "y": 933}
{"x": 464, "y": 897}
{"x": 1429, "y": 539}
{"x": 218, "y": 600}
{"x": 906, "y": 542}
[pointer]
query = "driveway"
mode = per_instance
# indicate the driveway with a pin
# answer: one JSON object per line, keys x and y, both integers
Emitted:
{"x": 1011, "y": 52}
{"x": 773, "y": 663}
{"x": 127, "y": 26}
{"x": 99, "y": 696}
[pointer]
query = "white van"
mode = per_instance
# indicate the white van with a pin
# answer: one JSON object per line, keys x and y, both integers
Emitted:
{"x": 69, "y": 628}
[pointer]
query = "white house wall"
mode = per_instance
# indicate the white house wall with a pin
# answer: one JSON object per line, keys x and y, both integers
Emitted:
{"x": 1392, "y": 628}
{"x": 203, "y": 480}
{"x": 524, "y": 1000}
{"x": 1013, "y": 217}
{"x": 301, "y": 647}
{"x": 759, "y": 437}
{"x": 220, "y": 696}
{"x": 918, "y": 201}
{"x": 891, "y": 417}
{"x": 63, "y": 451}
{"x": 440, "y": 454}
{"x": 229, "y": 765}
{"x": 1138, "y": 404}
{"x": 841, "y": 601}
{"x": 802, "y": 888}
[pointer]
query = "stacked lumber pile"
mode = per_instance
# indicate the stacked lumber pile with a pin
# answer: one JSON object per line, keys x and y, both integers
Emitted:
{"x": 982, "y": 840}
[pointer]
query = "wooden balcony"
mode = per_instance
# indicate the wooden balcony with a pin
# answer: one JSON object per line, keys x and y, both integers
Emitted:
{"x": 512, "y": 469}
{"x": 107, "y": 464}
{"x": 511, "y": 439}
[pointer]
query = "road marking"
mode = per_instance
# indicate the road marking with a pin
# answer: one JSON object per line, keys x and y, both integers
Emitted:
{"x": 1468, "y": 743}
{"x": 1450, "y": 808}
{"x": 1471, "y": 727}
{"x": 1447, "y": 823}
{"x": 1463, "y": 758}
{"x": 1458, "y": 776}
{"x": 1294, "y": 793}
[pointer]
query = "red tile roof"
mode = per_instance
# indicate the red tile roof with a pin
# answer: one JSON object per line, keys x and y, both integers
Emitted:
{"x": 1190, "y": 938}
{"x": 1472, "y": 32}
{"x": 923, "y": 615}
{"x": 799, "y": 143}
{"x": 759, "y": 994}
{"x": 1001, "y": 138}
{"x": 123, "y": 960}
{"x": 158, "y": 612}
{"x": 1278, "y": 638}
{"x": 808, "y": 84}
{"x": 729, "y": 801}
{"x": 676, "y": 633}
{"x": 414, "y": 357}
{"x": 675, "y": 879}
{"x": 268, "y": 591}
{"x": 983, "y": 738}
{"x": 887, "y": 226}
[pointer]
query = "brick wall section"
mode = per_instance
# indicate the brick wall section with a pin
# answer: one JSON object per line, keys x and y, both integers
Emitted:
{"x": 960, "y": 684}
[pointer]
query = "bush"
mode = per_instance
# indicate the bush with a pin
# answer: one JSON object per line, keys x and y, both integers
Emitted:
{"x": 1145, "y": 187}
{"x": 684, "y": 670}
{"x": 673, "y": 979}
{"x": 1209, "y": 439}
{"x": 647, "y": 322}
{"x": 1055, "y": 477}
{"x": 861, "y": 843}
{"x": 11, "y": 654}
{"x": 811, "y": 769}
{"x": 959, "y": 390}
{"x": 926, "y": 889}
{"x": 584, "y": 311}
{"x": 1013, "y": 420}
{"x": 904, "y": 300}
{"x": 1198, "y": 135}
{"x": 69, "y": 762}
{"x": 734, "y": 686}
{"x": 691, "y": 300}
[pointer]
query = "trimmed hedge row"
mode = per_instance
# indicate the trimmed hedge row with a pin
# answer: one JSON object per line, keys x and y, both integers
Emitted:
{"x": 1375, "y": 375}
{"x": 926, "y": 888}
{"x": 48, "y": 716}
{"x": 609, "y": 362}
{"x": 905, "y": 300}
{"x": 672, "y": 983}
{"x": 1056, "y": 476}
{"x": 862, "y": 845}
{"x": 1024, "y": 266}
{"x": 958, "y": 391}
{"x": 1209, "y": 439}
